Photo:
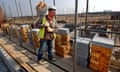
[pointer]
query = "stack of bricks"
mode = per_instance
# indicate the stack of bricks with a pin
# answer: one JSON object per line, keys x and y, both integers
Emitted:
{"x": 35, "y": 38}
{"x": 101, "y": 50}
{"x": 62, "y": 43}
{"x": 14, "y": 32}
{"x": 6, "y": 28}
{"x": 57, "y": 41}
{"x": 24, "y": 31}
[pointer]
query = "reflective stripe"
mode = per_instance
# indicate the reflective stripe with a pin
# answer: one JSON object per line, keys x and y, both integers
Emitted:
{"x": 41, "y": 33}
{"x": 54, "y": 34}
{"x": 44, "y": 20}
{"x": 42, "y": 30}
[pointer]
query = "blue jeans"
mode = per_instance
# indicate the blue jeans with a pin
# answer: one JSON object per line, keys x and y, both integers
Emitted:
{"x": 43, "y": 45}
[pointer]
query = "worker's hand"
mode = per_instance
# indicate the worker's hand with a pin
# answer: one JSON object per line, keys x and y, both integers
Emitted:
{"x": 38, "y": 39}
{"x": 50, "y": 29}
{"x": 47, "y": 24}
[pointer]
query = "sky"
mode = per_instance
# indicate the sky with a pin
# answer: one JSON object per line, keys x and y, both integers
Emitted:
{"x": 63, "y": 6}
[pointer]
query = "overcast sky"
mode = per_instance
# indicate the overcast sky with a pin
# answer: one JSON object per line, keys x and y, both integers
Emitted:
{"x": 63, "y": 6}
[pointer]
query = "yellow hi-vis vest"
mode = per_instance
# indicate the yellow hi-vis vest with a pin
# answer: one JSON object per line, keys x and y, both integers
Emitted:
{"x": 42, "y": 30}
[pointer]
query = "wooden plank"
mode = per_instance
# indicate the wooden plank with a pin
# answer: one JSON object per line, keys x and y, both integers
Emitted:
{"x": 17, "y": 57}
{"x": 115, "y": 62}
{"x": 19, "y": 60}
{"x": 34, "y": 58}
{"x": 9, "y": 62}
{"x": 37, "y": 67}
{"x": 62, "y": 62}
{"x": 67, "y": 63}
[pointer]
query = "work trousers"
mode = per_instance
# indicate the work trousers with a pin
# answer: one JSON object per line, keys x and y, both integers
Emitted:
{"x": 43, "y": 45}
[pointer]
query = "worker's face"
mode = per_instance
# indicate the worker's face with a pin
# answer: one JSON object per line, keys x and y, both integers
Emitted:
{"x": 52, "y": 13}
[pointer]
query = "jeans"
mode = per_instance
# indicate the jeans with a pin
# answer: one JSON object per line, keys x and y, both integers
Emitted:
{"x": 43, "y": 45}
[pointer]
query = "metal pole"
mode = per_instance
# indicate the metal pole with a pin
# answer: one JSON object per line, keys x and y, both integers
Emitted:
{"x": 54, "y": 2}
{"x": 16, "y": 8}
{"x": 20, "y": 8}
{"x": 75, "y": 34}
{"x": 21, "y": 12}
{"x": 4, "y": 10}
{"x": 31, "y": 12}
{"x": 15, "y": 25}
{"x": 10, "y": 11}
{"x": 32, "y": 22}
{"x": 86, "y": 14}
{"x": 54, "y": 5}
{"x": 10, "y": 23}
{"x": 3, "y": 7}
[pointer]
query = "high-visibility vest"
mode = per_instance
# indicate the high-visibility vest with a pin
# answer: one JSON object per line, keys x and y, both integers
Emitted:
{"x": 42, "y": 30}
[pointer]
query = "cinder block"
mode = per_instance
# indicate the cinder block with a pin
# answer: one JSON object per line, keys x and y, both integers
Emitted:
{"x": 82, "y": 47}
{"x": 83, "y": 62}
{"x": 94, "y": 67}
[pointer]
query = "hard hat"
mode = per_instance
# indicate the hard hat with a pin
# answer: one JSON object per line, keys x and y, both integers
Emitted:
{"x": 52, "y": 7}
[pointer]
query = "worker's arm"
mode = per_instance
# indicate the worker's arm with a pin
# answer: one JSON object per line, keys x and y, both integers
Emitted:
{"x": 38, "y": 23}
{"x": 52, "y": 29}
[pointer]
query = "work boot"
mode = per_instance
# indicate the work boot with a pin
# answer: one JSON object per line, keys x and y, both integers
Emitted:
{"x": 52, "y": 59}
{"x": 41, "y": 62}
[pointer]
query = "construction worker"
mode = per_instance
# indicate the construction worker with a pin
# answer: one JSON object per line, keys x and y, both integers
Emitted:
{"x": 47, "y": 34}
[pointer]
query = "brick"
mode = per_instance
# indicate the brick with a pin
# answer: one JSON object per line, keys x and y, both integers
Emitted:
{"x": 65, "y": 38}
{"x": 63, "y": 49}
{"x": 95, "y": 59}
{"x": 61, "y": 55}
{"x": 94, "y": 67}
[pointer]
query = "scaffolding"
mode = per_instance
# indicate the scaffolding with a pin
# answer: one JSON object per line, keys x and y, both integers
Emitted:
{"x": 114, "y": 33}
